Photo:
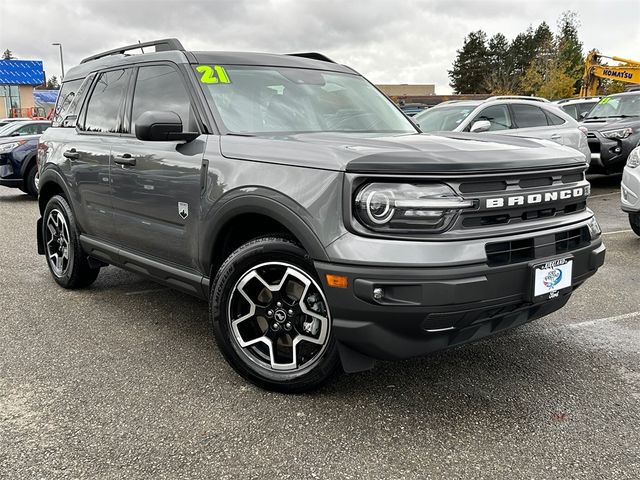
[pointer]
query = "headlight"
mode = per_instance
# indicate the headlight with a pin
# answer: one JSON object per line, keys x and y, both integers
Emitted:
{"x": 634, "y": 158}
{"x": 618, "y": 134}
{"x": 405, "y": 207}
{"x": 7, "y": 147}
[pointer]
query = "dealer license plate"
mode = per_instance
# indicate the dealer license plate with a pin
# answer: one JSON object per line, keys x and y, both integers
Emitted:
{"x": 551, "y": 278}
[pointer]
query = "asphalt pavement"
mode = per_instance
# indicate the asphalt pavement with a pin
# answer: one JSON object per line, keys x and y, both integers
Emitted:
{"x": 123, "y": 380}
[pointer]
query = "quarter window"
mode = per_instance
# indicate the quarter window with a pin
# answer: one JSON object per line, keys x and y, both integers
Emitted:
{"x": 527, "y": 116}
{"x": 160, "y": 87}
{"x": 65, "y": 97}
{"x": 104, "y": 107}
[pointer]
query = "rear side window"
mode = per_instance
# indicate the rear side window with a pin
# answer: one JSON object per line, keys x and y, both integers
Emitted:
{"x": 554, "y": 119}
{"x": 103, "y": 113}
{"x": 64, "y": 102}
{"x": 527, "y": 116}
{"x": 160, "y": 87}
{"x": 497, "y": 115}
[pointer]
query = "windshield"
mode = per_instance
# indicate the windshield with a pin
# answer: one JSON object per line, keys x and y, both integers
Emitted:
{"x": 443, "y": 119}
{"x": 622, "y": 106}
{"x": 258, "y": 100}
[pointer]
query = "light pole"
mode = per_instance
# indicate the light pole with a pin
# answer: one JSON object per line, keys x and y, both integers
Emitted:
{"x": 61, "y": 58}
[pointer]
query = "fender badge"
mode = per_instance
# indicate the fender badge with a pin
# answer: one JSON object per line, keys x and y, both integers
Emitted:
{"x": 183, "y": 209}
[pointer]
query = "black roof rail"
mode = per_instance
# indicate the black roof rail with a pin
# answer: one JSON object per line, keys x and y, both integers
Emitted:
{"x": 162, "y": 45}
{"x": 312, "y": 56}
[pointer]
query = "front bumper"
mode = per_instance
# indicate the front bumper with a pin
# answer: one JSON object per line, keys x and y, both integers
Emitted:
{"x": 426, "y": 309}
{"x": 609, "y": 155}
{"x": 630, "y": 190}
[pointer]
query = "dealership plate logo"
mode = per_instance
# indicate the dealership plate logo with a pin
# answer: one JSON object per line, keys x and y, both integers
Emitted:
{"x": 183, "y": 210}
{"x": 553, "y": 278}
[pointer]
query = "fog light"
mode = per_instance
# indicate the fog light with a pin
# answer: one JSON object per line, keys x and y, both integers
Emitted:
{"x": 378, "y": 293}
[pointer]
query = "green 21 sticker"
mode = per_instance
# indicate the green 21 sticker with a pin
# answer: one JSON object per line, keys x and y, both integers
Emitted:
{"x": 215, "y": 74}
{"x": 604, "y": 100}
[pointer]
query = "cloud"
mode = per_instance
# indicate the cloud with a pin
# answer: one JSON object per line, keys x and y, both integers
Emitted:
{"x": 390, "y": 42}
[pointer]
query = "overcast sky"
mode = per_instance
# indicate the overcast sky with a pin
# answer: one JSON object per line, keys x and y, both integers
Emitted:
{"x": 388, "y": 41}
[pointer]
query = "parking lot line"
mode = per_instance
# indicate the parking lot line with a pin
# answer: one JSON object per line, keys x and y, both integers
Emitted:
{"x": 604, "y": 195}
{"x": 617, "y": 231}
{"x": 604, "y": 320}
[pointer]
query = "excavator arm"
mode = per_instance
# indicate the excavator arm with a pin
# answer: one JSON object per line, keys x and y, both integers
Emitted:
{"x": 593, "y": 70}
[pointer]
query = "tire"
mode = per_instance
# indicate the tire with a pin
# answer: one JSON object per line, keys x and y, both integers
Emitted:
{"x": 270, "y": 289}
{"x": 634, "y": 221}
{"x": 30, "y": 184}
{"x": 66, "y": 260}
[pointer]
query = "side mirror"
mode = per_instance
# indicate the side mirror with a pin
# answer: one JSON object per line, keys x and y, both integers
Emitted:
{"x": 582, "y": 116}
{"x": 157, "y": 126}
{"x": 481, "y": 126}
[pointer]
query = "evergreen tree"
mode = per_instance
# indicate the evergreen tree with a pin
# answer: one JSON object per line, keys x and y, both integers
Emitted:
{"x": 471, "y": 66}
{"x": 53, "y": 84}
{"x": 8, "y": 55}
{"x": 570, "y": 47}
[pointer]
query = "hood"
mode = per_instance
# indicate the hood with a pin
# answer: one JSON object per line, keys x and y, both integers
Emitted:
{"x": 407, "y": 154}
{"x": 25, "y": 138}
{"x": 599, "y": 124}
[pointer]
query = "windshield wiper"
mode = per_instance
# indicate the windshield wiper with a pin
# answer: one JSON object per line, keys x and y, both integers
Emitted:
{"x": 612, "y": 116}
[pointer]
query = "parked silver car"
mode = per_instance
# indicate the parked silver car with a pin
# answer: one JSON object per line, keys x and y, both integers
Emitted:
{"x": 630, "y": 189}
{"x": 509, "y": 115}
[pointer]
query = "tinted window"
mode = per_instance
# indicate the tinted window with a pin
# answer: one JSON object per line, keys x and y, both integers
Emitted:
{"x": 571, "y": 110}
{"x": 65, "y": 97}
{"x": 103, "y": 109}
{"x": 497, "y": 115}
{"x": 554, "y": 119}
{"x": 528, "y": 116}
{"x": 443, "y": 118}
{"x": 161, "y": 88}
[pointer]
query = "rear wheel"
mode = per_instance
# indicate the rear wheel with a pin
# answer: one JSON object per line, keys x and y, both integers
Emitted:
{"x": 634, "y": 221}
{"x": 271, "y": 318}
{"x": 67, "y": 261}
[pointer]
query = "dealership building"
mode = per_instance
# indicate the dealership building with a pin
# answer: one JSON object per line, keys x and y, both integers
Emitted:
{"x": 18, "y": 78}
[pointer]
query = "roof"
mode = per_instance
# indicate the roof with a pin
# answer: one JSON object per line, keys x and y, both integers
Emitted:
{"x": 222, "y": 58}
{"x": 21, "y": 72}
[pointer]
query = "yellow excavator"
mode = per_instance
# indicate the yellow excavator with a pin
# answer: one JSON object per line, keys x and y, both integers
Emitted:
{"x": 628, "y": 72}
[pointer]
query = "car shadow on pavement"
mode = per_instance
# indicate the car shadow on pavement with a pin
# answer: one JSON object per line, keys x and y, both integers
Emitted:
{"x": 20, "y": 198}
{"x": 602, "y": 181}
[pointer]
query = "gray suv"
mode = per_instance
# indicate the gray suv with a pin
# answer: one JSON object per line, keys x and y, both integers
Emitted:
{"x": 324, "y": 228}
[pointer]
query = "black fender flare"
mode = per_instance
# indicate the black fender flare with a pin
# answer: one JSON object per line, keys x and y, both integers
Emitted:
{"x": 51, "y": 175}
{"x": 218, "y": 219}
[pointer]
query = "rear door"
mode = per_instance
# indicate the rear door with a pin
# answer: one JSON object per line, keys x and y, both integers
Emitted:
{"x": 89, "y": 152}
{"x": 156, "y": 185}
{"x": 531, "y": 121}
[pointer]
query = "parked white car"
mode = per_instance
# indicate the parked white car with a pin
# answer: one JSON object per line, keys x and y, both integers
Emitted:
{"x": 630, "y": 189}
{"x": 508, "y": 115}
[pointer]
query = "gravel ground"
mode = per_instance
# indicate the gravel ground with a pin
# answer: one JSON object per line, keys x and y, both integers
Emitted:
{"x": 123, "y": 380}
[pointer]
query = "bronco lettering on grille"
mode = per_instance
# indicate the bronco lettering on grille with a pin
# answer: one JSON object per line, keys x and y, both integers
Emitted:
{"x": 535, "y": 198}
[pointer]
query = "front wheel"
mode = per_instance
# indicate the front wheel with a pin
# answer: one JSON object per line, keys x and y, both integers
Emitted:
{"x": 634, "y": 221}
{"x": 67, "y": 261}
{"x": 271, "y": 319}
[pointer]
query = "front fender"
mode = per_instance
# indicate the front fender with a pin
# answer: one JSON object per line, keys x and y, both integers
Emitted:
{"x": 268, "y": 203}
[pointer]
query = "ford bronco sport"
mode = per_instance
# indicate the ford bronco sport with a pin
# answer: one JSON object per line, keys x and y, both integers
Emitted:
{"x": 324, "y": 228}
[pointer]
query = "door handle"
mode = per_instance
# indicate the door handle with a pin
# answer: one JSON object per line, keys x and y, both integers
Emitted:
{"x": 556, "y": 137}
{"x": 72, "y": 154}
{"x": 125, "y": 159}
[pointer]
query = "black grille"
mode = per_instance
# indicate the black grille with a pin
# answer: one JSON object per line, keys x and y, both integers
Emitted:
{"x": 528, "y": 249}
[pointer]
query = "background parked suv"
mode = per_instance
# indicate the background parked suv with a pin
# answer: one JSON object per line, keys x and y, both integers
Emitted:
{"x": 324, "y": 229}
{"x": 613, "y": 131}
{"x": 519, "y": 116}
{"x": 18, "y": 155}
